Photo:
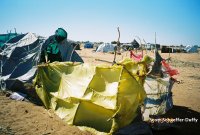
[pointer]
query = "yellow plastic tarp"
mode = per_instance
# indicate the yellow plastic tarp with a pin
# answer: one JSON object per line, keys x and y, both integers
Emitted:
{"x": 104, "y": 98}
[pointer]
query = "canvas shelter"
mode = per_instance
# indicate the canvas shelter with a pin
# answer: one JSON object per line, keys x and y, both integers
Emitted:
{"x": 4, "y": 38}
{"x": 19, "y": 59}
{"x": 135, "y": 44}
{"x": 158, "y": 87}
{"x": 127, "y": 46}
{"x": 21, "y": 55}
{"x": 191, "y": 49}
{"x": 88, "y": 45}
{"x": 100, "y": 99}
{"x": 105, "y": 47}
{"x": 166, "y": 49}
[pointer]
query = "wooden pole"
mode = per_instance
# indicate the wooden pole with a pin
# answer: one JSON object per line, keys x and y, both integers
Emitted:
{"x": 118, "y": 41}
{"x": 117, "y": 47}
{"x": 119, "y": 35}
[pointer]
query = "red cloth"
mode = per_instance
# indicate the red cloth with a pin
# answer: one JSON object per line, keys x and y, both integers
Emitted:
{"x": 169, "y": 69}
{"x": 136, "y": 57}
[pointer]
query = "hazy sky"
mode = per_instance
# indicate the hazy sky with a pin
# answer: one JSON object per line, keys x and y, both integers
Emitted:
{"x": 174, "y": 21}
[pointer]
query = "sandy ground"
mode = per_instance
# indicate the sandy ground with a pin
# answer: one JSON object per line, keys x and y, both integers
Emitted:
{"x": 26, "y": 118}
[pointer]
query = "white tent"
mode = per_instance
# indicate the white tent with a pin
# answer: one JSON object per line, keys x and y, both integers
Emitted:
{"x": 191, "y": 49}
{"x": 106, "y": 47}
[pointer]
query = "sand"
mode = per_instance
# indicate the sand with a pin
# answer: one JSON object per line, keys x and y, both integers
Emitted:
{"x": 26, "y": 118}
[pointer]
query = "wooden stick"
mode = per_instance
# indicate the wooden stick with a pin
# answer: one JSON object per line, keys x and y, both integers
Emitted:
{"x": 118, "y": 46}
{"x": 118, "y": 41}
{"x": 119, "y": 34}
{"x": 103, "y": 60}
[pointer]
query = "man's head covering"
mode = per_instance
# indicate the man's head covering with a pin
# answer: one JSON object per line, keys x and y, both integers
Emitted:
{"x": 60, "y": 35}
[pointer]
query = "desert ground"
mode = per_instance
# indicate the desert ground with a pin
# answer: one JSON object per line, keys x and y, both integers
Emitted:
{"x": 27, "y": 118}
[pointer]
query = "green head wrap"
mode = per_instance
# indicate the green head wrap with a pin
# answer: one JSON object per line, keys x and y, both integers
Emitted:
{"x": 60, "y": 34}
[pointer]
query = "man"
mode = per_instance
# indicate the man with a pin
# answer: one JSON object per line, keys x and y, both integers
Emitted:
{"x": 57, "y": 48}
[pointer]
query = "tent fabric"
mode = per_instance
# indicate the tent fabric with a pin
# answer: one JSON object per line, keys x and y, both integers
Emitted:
{"x": 135, "y": 44}
{"x": 88, "y": 45}
{"x": 21, "y": 56}
{"x": 158, "y": 87}
{"x": 25, "y": 41}
{"x": 156, "y": 68}
{"x": 136, "y": 57}
{"x": 16, "y": 39}
{"x": 168, "y": 69}
{"x": 191, "y": 49}
{"x": 20, "y": 59}
{"x": 100, "y": 99}
{"x": 66, "y": 49}
{"x": 4, "y": 38}
{"x": 159, "y": 96}
{"x": 105, "y": 47}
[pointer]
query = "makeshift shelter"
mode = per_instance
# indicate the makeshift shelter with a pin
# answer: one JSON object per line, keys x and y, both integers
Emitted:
{"x": 158, "y": 87}
{"x": 151, "y": 46}
{"x": 5, "y": 38}
{"x": 105, "y": 47}
{"x": 104, "y": 98}
{"x": 166, "y": 49}
{"x": 191, "y": 49}
{"x": 21, "y": 55}
{"x": 88, "y": 45}
{"x": 148, "y": 46}
{"x": 127, "y": 47}
{"x": 135, "y": 44}
{"x": 20, "y": 58}
{"x": 76, "y": 46}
